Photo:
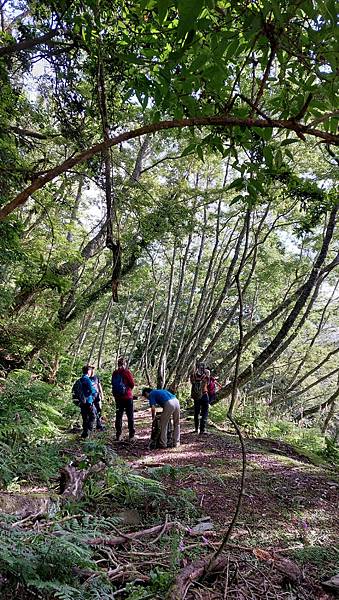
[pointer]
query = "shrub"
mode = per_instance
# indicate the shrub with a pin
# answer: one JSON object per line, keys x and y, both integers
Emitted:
{"x": 30, "y": 417}
{"x": 29, "y": 409}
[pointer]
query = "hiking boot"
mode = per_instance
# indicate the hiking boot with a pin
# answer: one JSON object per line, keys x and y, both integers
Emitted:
{"x": 177, "y": 445}
{"x": 203, "y": 433}
{"x": 131, "y": 438}
{"x": 117, "y": 437}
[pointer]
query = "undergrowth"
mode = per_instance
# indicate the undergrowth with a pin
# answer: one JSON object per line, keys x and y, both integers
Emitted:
{"x": 256, "y": 421}
{"x": 324, "y": 559}
{"x": 50, "y": 561}
{"x": 31, "y": 420}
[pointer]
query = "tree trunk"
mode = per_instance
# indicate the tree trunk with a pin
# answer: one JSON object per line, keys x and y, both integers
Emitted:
{"x": 103, "y": 336}
{"x": 111, "y": 215}
{"x": 261, "y": 362}
{"x": 162, "y": 363}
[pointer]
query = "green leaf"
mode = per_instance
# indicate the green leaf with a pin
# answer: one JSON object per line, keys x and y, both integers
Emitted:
{"x": 276, "y": 9}
{"x": 288, "y": 142}
{"x": 221, "y": 45}
{"x": 278, "y": 159}
{"x": 334, "y": 125}
{"x": 268, "y": 155}
{"x": 252, "y": 189}
{"x": 189, "y": 149}
{"x": 256, "y": 185}
{"x": 217, "y": 144}
{"x": 145, "y": 101}
{"x": 199, "y": 61}
{"x": 237, "y": 184}
{"x": 188, "y": 15}
{"x": 200, "y": 153}
{"x": 163, "y": 6}
{"x": 232, "y": 48}
{"x": 261, "y": 132}
{"x": 266, "y": 133}
{"x": 236, "y": 199}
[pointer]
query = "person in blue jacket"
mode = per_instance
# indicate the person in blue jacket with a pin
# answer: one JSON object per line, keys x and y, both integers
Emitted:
{"x": 99, "y": 396}
{"x": 87, "y": 407}
{"x": 170, "y": 408}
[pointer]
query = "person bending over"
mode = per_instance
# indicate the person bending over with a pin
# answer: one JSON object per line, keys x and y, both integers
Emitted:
{"x": 170, "y": 407}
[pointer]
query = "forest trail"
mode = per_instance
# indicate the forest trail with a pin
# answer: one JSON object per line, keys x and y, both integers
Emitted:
{"x": 290, "y": 505}
{"x": 281, "y": 484}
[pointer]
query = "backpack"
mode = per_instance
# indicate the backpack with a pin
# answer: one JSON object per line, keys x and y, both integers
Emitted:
{"x": 211, "y": 386}
{"x": 155, "y": 434}
{"x": 95, "y": 381}
{"x": 197, "y": 389}
{"x": 78, "y": 393}
{"x": 119, "y": 388}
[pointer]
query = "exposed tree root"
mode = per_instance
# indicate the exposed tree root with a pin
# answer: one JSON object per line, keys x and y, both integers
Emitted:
{"x": 193, "y": 573}
{"x": 72, "y": 480}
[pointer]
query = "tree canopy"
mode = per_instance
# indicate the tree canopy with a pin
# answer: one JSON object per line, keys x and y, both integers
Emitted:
{"x": 165, "y": 153}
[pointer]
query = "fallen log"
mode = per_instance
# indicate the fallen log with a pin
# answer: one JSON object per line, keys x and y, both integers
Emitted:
{"x": 25, "y": 505}
{"x": 136, "y": 535}
{"x": 205, "y": 567}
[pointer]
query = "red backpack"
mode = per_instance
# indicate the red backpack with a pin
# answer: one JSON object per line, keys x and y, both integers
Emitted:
{"x": 211, "y": 386}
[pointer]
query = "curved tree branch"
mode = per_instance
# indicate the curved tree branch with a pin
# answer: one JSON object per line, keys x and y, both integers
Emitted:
{"x": 28, "y": 44}
{"x": 221, "y": 121}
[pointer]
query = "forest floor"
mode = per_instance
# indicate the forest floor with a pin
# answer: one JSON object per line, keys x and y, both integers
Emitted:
{"x": 282, "y": 547}
{"x": 289, "y": 509}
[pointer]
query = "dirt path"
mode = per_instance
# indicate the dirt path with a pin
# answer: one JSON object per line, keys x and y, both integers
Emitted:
{"x": 289, "y": 503}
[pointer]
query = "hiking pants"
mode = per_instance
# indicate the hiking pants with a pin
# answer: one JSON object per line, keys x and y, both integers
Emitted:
{"x": 171, "y": 408}
{"x": 201, "y": 407}
{"x": 88, "y": 413}
{"x": 97, "y": 405}
{"x": 122, "y": 405}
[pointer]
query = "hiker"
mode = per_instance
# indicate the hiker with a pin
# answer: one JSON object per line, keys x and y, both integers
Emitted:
{"x": 170, "y": 408}
{"x": 84, "y": 392}
{"x": 122, "y": 386}
{"x": 213, "y": 386}
{"x": 99, "y": 397}
{"x": 199, "y": 394}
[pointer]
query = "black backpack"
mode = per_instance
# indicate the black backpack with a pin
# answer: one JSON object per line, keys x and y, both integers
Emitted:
{"x": 78, "y": 393}
{"x": 197, "y": 390}
{"x": 155, "y": 434}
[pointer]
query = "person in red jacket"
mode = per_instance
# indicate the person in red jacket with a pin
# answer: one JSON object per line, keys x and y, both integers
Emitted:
{"x": 122, "y": 386}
